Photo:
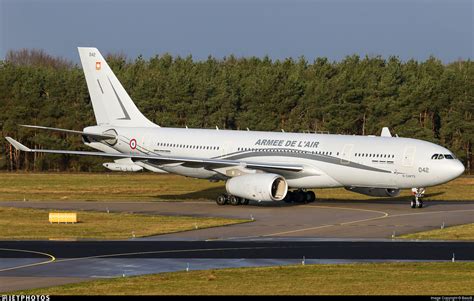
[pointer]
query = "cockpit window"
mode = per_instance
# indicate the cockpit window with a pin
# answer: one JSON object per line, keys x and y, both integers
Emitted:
{"x": 443, "y": 156}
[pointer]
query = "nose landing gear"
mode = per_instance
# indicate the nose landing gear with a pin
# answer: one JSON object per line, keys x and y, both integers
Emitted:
{"x": 418, "y": 194}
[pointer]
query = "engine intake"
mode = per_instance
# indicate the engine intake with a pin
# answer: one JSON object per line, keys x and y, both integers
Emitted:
{"x": 258, "y": 187}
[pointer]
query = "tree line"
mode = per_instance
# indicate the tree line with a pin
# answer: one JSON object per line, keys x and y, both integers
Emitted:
{"x": 427, "y": 100}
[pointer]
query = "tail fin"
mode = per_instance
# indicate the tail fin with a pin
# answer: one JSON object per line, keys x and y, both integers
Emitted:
{"x": 112, "y": 104}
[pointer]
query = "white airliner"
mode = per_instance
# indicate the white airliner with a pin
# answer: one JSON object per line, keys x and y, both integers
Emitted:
{"x": 259, "y": 166}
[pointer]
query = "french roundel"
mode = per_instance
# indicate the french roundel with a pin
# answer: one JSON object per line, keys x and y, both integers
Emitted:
{"x": 133, "y": 144}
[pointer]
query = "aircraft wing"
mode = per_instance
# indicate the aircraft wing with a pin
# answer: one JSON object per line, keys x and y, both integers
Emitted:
{"x": 197, "y": 162}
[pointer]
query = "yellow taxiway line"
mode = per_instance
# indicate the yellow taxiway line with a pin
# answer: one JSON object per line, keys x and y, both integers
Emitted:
{"x": 384, "y": 215}
{"x": 52, "y": 259}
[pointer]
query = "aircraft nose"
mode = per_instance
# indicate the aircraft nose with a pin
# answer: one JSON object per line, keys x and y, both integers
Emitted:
{"x": 457, "y": 169}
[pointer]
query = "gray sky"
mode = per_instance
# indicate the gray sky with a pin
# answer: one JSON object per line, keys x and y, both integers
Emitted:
{"x": 280, "y": 28}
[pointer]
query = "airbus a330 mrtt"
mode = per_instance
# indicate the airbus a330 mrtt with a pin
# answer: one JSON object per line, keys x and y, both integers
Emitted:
{"x": 261, "y": 166}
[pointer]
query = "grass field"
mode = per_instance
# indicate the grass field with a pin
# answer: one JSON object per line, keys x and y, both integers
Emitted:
{"x": 16, "y": 223}
{"x": 103, "y": 187}
{"x": 461, "y": 232}
{"x": 159, "y": 187}
{"x": 344, "y": 279}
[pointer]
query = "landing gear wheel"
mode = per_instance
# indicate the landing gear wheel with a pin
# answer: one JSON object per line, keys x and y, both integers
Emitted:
{"x": 244, "y": 201}
{"x": 300, "y": 197}
{"x": 221, "y": 200}
{"x": 289, "y": 197}
{"x": 311, "y": 196}
{"x": 234, "y": 201}
{"x": 419, "y": 204}
{"x": 418, "y": 194}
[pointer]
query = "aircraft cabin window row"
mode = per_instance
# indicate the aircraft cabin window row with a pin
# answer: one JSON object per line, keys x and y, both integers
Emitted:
{"x": 188, "y": 146}
{"x": 441, "y": 156}
{"x": 284, "y": 150}
{"x": 374, "y": 155}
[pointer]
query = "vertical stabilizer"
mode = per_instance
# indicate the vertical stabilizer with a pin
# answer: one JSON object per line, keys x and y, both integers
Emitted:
{"x": 112, "y": 104}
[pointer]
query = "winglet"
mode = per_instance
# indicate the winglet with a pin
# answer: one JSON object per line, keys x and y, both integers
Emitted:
{"x": 17, "y": 144}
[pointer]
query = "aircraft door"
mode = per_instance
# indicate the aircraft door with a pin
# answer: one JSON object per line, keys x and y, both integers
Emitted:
{"x": 226, "y": 148}
{"x": 346, "y": 153}
{"x": 146, "y": 144}
{"x": 409, "y": 155}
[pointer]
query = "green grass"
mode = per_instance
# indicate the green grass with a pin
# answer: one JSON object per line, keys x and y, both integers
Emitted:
{"x": 462, "y": 232}
{"x": 343, "y": 279}
{"x": 146, "y": 186}
{"x": 19, "y": 223}
{"x": 104, "y": 187}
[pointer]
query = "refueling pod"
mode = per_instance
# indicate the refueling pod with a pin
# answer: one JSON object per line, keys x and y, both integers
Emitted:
{"x": 122, "y": 165}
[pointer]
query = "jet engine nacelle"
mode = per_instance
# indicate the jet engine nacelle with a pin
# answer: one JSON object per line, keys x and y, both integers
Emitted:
{"x": 378, "y": 192}
{"x": 122, "y": 167}
{"x": 258, "y": 187}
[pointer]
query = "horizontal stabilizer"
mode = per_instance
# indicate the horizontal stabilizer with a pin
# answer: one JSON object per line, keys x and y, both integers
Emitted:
{"x": 93, "y": 135}
{"x": 17, "y": 145}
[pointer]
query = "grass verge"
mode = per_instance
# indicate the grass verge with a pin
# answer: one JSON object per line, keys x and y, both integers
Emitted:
{"x": 104, "y": 187}
{"x": 342, "y": 279}
{"x": 19, "y": 223}
{"x": 461, "y": 232}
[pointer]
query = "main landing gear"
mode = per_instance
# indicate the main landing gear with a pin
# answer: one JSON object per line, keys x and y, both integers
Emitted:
{"x": 297, "y": 196}
{"x": 300, "y": 196}
{"x": 418, "y": 194}
{"x": 224, "y": 199}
